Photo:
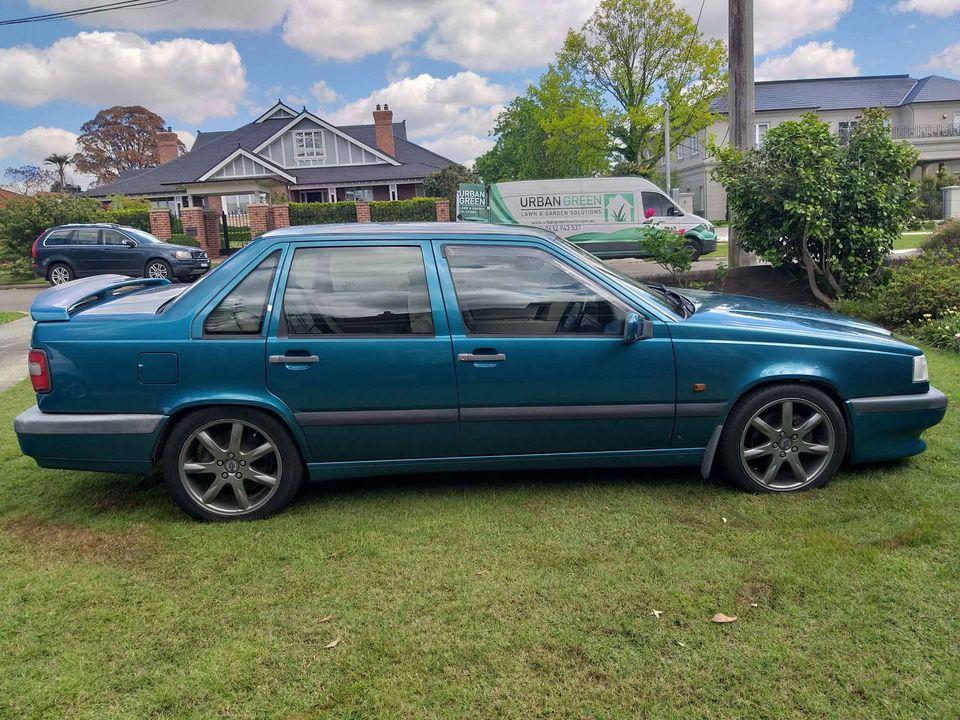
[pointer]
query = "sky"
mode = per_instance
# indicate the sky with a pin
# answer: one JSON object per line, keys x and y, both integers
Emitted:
{"x": 447, "y": 67}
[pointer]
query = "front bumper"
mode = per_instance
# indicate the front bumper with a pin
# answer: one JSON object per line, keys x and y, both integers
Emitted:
{"x": 191, "y": 268}
{"x": 99, "y": 442}
{"x": 889, "y": 426}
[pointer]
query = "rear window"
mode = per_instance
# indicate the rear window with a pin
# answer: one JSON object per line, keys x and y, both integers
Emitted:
{"x": 58, "y": 237}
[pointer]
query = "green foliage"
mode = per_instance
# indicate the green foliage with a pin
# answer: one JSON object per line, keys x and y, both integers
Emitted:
{"x": 942, "y": 332}
{"x": 445, "y": 183}
{"x": 945, "y": 236}
{"x": 668, "y": 249}
{"x": 636, "y": 54}
{"x": 805, "y": 199}
{"x": 122, "y": 202}
{"x": 424, "y": 209}
{"x": 323, "y": 213}
{"x": 929, "y": 195}
{"x": 131, "y": 217}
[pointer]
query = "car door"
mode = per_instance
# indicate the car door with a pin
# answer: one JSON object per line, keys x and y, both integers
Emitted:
{"x": 87, "y": 252}
{"x": 361, "y": 352}
{"x": 542, "y": 366}
{"x": 119, "y": 257}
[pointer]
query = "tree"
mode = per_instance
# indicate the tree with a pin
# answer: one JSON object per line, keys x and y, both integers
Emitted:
{"x": 445, "y": 183}
{"x": 557, "y": 129}
{"x": 27, "y": 179}
{"x": 640, "y": 54}
{"x": 119, "y": 139}
{"x": 808, "y": 200}
{"x": 60, "y": 161}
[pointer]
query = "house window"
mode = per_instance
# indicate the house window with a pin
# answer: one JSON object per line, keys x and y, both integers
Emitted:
{"x": 694, "y": 146}
{"x": 364, "y": 194}
{"x": 760, "y": 131}
{"x": 845, "y": 128}
{"x": 308, "y": 144}
{"x": 680, "y": 151}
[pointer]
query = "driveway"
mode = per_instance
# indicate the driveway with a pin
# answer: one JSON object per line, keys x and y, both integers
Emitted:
{"x": 14, "y": 343}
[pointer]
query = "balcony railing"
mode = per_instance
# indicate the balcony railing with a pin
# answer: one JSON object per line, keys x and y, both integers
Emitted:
{"x": 912, "y": 132}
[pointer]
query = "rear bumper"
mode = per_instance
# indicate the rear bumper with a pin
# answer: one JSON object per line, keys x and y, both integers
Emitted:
{"x": 99, "y": 442}
{"x": 889, "y": 426}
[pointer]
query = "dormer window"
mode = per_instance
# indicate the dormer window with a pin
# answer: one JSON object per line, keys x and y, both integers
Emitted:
{"x": 308, "y": 144}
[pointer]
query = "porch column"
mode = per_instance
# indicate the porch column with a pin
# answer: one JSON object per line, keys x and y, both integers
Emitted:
{"x": 160, "y": 224}
{"x": 259, "y": 217}
{"x": 211, "y": 225}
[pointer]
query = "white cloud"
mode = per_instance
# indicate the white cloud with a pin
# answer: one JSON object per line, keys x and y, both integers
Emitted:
{"x": 33, "y": 145}
{"x": 189, "y": 79}
{"x": 439, "y": 112}
{"x": 462, "y": 148}
{"x": 776, "y": 23}
{"x": 946, "y": 61}
{"x": 187, "y": 138}
{"x": 813, "y": 59}
{"x": 201, "y": 15}
{"x": 324, "y": 93}
{"x": 940, "y": 8}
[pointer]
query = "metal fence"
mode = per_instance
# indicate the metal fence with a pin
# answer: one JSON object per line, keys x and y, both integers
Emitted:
{"x": 234, "y": 230}
{"x": 911, "y": 132}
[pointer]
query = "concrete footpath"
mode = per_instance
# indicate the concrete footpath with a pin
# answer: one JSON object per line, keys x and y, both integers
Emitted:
{"x": 14, "y": 344}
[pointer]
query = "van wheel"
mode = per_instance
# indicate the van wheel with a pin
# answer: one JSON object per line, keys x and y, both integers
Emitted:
{"x": 231, "y": 464}
{"x": 60, "y": 273}
{"x": 783, "y": 438}
{"x": 693, "y": 247}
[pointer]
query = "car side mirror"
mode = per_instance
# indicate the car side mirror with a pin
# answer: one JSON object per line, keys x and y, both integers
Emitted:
{"x": 129, "y": 243}
{"x": 636, "y": 328}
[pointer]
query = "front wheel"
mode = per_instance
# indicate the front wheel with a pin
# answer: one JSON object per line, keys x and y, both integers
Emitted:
{"x": 231, "y": 464}
{"x": 783, "y": 438}
{"x": 158, "y": 269}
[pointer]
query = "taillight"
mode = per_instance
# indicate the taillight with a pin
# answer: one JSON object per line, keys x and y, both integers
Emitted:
{"x": 33, "y": 248}
{"x": 39, "y": 371}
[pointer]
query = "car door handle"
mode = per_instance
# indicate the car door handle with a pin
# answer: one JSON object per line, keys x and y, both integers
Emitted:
{"x": 294, "y": 359}
{"x": 474, "y": 357}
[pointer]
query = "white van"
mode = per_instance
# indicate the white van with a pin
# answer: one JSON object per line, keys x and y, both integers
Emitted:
{"x": 607, "y": 216}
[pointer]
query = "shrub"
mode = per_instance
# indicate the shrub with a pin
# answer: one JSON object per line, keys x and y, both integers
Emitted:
{"x": 131, "y": 217}
{"x": 404, "y": 210}
{"x": 668, "y": 249}
{"x": 942, "y": 332}
{"x": 322, "y": 213}
{"x": 945, "y": 237}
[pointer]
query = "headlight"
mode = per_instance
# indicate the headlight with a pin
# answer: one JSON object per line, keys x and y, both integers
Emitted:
{"x": 183, "y": 255}
{"x": 920, "y": 373}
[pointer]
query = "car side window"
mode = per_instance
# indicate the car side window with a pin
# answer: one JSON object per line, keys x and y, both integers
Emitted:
{"x": 521, "y": 291}
{"x": 58, "y": 237}
{"x": 244, "y": 308}
{"x": 87, "y": 236}
{"x": 112, "y": 237}
{"x": 367, "y": 290}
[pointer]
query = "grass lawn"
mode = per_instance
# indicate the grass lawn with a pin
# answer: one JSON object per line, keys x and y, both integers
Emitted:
{"x": 487, "y": 596}
{"x": 10, "y": 315}
{"x": 907, "y": 241}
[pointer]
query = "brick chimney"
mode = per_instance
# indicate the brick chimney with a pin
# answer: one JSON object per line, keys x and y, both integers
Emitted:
{"x": 383, "y": 126}
{"x": 167, "y": 146}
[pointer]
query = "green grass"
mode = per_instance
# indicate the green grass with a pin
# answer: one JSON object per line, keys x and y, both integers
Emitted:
{"x": 10, "y": 315}
{"x": 495, "y": 595}
{"x": 907, "y": 241}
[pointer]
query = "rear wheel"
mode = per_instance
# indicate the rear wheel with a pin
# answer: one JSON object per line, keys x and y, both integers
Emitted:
{"x": 231, "y": 464}
{"x": 693, "y": 247}
{"x": 783, "y": 438}
{"x": 60, "y": 273}
{"x": 158, "y": 269}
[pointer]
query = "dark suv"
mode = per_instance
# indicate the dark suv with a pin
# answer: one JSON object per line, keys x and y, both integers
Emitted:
{"x": 65, "y": 252}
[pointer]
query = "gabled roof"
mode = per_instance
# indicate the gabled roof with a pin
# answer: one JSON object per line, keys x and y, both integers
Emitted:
{"x": 306, "y": 115}
{"x": 848, "y": 93}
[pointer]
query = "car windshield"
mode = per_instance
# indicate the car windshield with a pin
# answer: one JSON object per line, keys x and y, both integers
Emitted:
{"x": 141, "y": 236}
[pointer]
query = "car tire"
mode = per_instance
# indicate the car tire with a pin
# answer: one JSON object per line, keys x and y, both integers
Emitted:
{"x": 760, "y": 454}
{"x": 695, "y": 250}
{"x": 216, "y": 474}
{"x": 157, "y": 268}
{"x": 60, "y": 273}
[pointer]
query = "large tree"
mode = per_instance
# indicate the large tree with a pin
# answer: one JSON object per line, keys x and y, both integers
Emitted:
{"x": 27, "y": 179}
{"x": 557, "y": 129}
{"x": 445, "y": 183}
{"x": 119, "y": 139}
{"x": 642, "y": 54}
{"x": 60, "y": 162}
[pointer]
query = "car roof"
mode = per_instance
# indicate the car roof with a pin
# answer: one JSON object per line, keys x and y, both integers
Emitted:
{"x": 96, "y": 225}
{"x": 479, "y": 231}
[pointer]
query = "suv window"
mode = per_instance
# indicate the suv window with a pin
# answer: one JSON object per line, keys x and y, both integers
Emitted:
{"x": 357, "y": 291}
{"x": 525, "y": 291}
{"x": 86, "y": 236}
{"x": 242, "y": 311}
{"x": 112, "y": 237}
{"x": 58, "y": 237}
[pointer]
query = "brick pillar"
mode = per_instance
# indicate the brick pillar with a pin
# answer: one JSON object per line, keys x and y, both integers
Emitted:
{"x": 211, "y": 225}
{"x": 279, "y": 216}
{"x": 363, "y": 211}
{"x": 443, "y": 211}
{"x": 193, "y": 225}
{"x": 259, "y": 216}
{"x": 160, "y": 224}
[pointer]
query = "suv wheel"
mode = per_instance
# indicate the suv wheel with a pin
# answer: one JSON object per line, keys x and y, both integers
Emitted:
{"x": 59, "y": 273}
{"x": 783, "y": 438}
{"x": 158, "y": 269}
{"x": 231, "y": 464}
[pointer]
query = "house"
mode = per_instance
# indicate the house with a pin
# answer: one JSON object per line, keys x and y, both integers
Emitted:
{"x": 7, "y": 195}
{"x": 924, "y": 112}
{"x": 295, "y": 154}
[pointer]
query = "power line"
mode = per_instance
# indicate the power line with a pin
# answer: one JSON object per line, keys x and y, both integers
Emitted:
{"x": 89, "y": 10}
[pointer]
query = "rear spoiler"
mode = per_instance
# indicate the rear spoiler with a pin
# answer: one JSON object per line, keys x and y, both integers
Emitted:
{"x": 58, "y": 303}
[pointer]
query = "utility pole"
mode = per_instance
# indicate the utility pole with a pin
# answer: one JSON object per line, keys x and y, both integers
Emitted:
{"x": 741, "y": 103}
{"x": 666, "y": 143}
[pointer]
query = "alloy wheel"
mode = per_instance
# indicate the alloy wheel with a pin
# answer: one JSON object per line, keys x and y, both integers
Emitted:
{"x": 230, "y": 467}
{"x": 59, "y": 275}
{"x": 157, "y": 270}
{"x": 787, "y": 444}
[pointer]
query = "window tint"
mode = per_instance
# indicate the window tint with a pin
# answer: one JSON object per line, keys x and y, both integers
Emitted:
{"x": 58, "y": 237}
{"x": 358, "y": 291}
{"x": 524, "y": 291}
{"x": 112, "y": 237}
{"x": 87, "y": 236}
{"x": 660, "y": 203}
{"x": 242, "y": 311}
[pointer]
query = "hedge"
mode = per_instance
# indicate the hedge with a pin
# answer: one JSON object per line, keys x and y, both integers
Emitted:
{"x": 131, "y": 217}
{"x": 322, "y": 213}
{"x": 403, "y": 210}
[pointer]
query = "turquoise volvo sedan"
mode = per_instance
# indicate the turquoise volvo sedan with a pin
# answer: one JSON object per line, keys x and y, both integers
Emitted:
{"x": 349, "y": 350}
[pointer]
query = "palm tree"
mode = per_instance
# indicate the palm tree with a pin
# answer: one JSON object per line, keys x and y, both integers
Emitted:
{"x": 61, "y": 161}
